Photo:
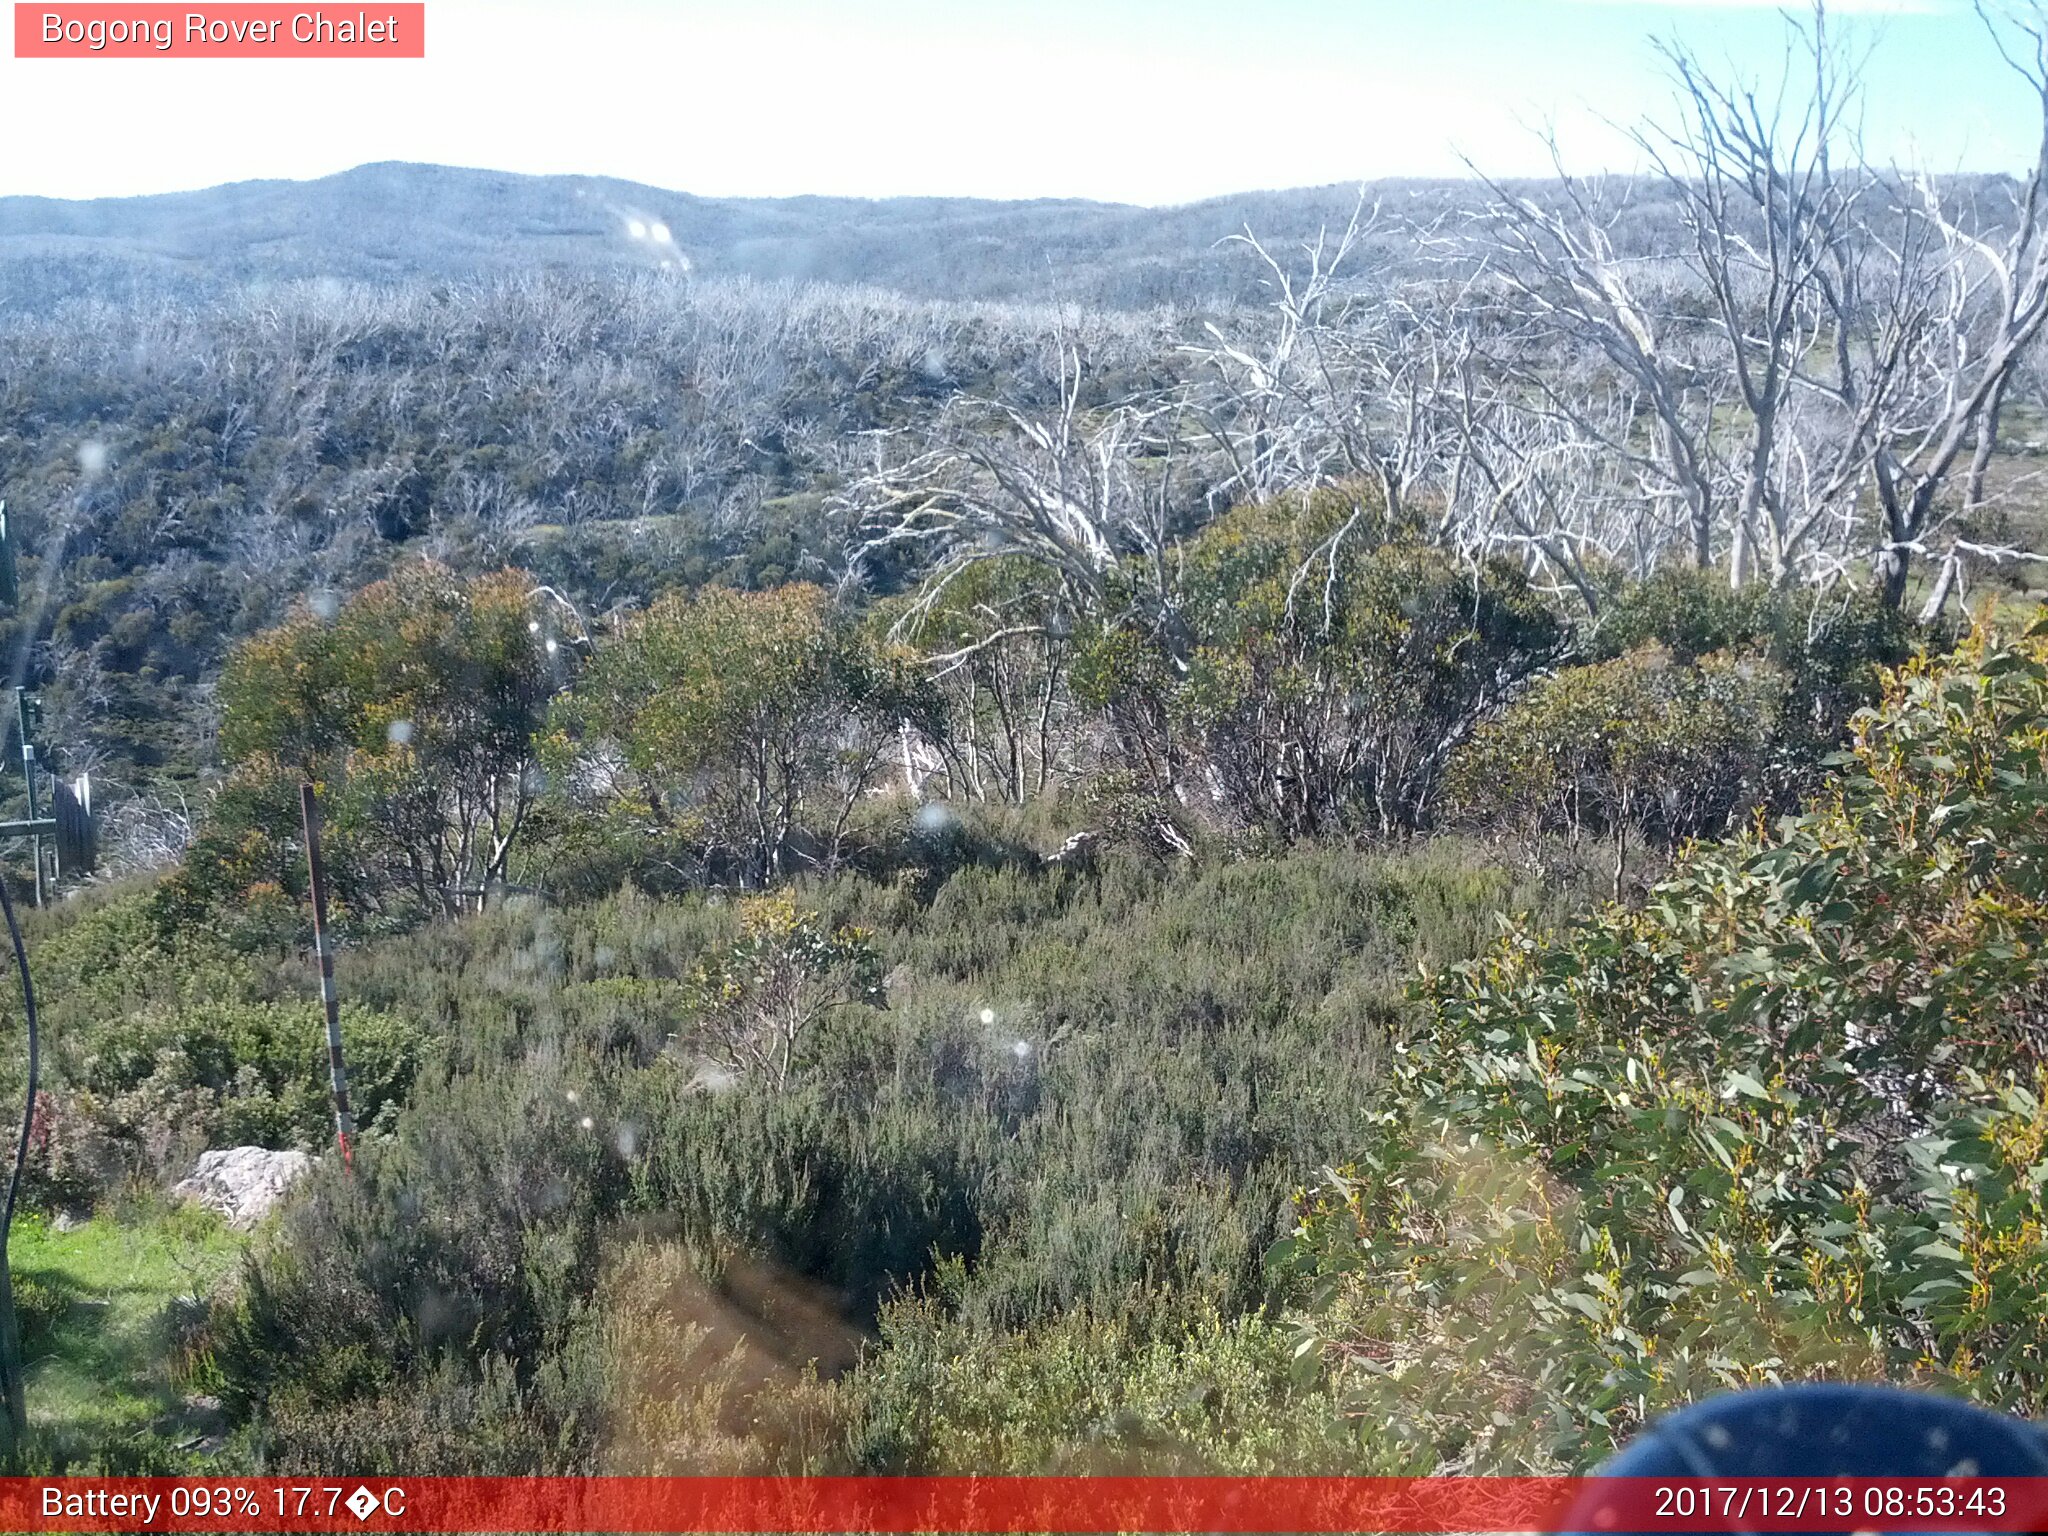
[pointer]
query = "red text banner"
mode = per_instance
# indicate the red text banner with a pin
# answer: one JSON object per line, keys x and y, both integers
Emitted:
{"x": 231, "y": 31}
{"x": 1019, "y": 1504}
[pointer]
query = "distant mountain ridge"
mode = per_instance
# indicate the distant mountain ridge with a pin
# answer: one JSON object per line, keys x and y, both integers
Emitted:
{"x": 397, "y": 221}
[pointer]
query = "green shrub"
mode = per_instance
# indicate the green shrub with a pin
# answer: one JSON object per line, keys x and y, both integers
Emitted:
{"x": 1192, "y": 1039}
{"x": 466, "y": 1239}
{"x": 158, "y": 1045}
{"x": 1644, "y": 747}
{"x": 1831, "y": 646}
{"x": 1084, "y": 1394}
{"x": 172, "y": 1082}
{"x": 1783, "y": 1122}
{"x": 753, "y": 1007}
{"x": 746, "y": 725}
{"x": 1335, "y": 661}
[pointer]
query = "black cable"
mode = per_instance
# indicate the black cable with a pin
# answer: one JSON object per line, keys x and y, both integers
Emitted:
{"x": 12, "y": 1386}
{"x": 28, "y": 1114}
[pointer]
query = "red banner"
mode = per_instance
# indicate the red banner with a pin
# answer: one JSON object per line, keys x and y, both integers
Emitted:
{"x": 1019, "y": 1504}
{"x": 231, "y": 31}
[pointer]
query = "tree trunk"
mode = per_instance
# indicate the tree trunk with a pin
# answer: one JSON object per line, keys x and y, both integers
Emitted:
{"x": 1943, "y": 585}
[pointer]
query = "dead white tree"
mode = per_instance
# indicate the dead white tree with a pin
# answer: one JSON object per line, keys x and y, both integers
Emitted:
{"x": 1090, "y": 495}
{"x": 1570, "y": 294}
{"x": 1983, "y": 300}
{"x": 1823, "y": 353}
{"x": 1771, "y": 211}
{"x": 1338, "y": 376}
{"x": 1527, "y": 479}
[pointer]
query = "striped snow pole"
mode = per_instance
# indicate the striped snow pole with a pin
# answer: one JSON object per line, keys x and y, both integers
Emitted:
{"x": 344, "y": 1124}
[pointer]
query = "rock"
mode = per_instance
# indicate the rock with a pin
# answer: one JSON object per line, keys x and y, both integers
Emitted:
{"x": 243, "y": 1183}
{"x": 1075, "y": 847}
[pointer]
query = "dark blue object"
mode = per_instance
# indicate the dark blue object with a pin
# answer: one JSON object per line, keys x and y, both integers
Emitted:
{"x": 1829, "y": 1431}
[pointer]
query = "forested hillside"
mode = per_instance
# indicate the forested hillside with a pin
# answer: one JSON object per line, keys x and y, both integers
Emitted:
{"x": 395, "y": 223}
{"x": 1390, "y": 864}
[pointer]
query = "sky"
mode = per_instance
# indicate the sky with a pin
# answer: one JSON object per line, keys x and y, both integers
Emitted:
{"x": 1144, "y": 101}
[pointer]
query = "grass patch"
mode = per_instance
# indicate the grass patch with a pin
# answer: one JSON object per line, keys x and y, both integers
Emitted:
{"x": 110, "y": 1313}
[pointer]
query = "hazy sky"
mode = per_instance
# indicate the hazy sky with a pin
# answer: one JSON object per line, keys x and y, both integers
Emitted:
{"x": 1154, "y": 101}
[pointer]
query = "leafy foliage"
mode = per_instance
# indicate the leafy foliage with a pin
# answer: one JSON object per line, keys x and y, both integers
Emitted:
{"x": 231, "y": 1073}
{"x": 1641, "y": 746}
{"x": 413, "y": 706}
{"x": 998, "y": 639}
{"x": 1334, "y": 664}
{"x": 1830, "y": 647}
{"x": 751, "y": 720}
{"x": 755, "y": 1003}
{"x": 1783, "y": 1121}
{"x": 1190, "y": 1040}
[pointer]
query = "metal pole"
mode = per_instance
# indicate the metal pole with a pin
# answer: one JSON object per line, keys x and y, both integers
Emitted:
{"x": 337, "y": 1075}
{"x": 28, "y": 772}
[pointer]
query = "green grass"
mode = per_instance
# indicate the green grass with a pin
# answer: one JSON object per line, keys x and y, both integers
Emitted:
{"x": 105, "y": 1309}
